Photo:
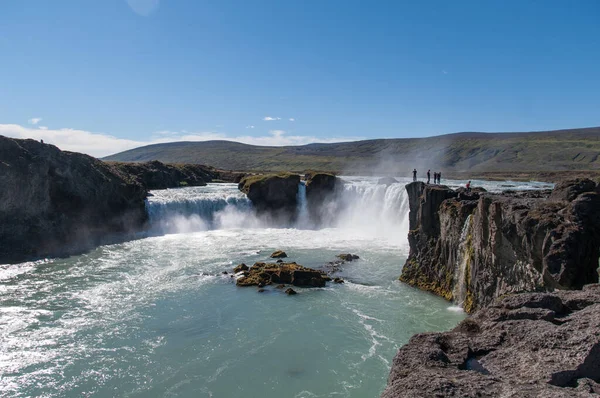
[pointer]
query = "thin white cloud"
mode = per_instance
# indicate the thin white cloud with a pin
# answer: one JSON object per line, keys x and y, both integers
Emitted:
{"x": 292, "y": 119}
{"x": 143, "y": 7}
{"x": 444, "y": 72}
{"x": 42, "y": 127}
{"x": 34, "y": 120}
{"x": 100, "y": 144}
{"x": 270, "y": 118}
{"x": 249, "y": 127}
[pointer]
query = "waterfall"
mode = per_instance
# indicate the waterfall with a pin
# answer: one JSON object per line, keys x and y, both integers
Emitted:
{"x": 197, "y": 208}
{"x": 459, "y": 291}
{"x": 381, "y": 209}
{"x": 303, "y": 217}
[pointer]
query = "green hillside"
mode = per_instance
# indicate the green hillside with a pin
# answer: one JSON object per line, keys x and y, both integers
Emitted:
{"x": 561, "y": 150}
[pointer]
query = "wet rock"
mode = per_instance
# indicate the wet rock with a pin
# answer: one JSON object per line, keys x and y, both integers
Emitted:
{"x": 225, "y": 273}
{"x": 280, "y": 286}
{"x": 241, "y": 267}
{"x": 274, "y": 194}
{"x": 290, "y": 291}
{"x": 281, "y": 273}
{"x": 278, "y": 254}
{"x": 279, "y": 261}
{"x": 348, "y": 257}
{"x": 338, "y": 280}
{"x": 498, "y": 352}
{"x": 322, "y": 190}
{"x": 260, "y": 290}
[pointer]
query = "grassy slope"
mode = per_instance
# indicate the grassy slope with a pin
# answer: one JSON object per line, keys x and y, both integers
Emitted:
{"x": 562, "y": 150}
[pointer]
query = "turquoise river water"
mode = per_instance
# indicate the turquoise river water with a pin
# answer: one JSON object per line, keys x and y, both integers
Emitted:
{"x": 155, "y": 317}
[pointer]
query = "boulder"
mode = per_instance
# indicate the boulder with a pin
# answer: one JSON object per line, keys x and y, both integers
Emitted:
{"x": 348, "y": 257}
{"x": 278, "y": 254}
{"x": 290, "y": 291}
{"x": 523, "y": 345}
{"x": 568, "y": 190}
{"x": 241, "y": 267}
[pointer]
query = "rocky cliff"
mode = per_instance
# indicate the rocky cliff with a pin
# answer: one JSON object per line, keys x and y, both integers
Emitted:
{"x": 273, "y": 194}
{"x": 522, "y": 345}
{"x": 56, "y": 203}
{"x": 474, "y": 247}
{"x": 321, "y": 191}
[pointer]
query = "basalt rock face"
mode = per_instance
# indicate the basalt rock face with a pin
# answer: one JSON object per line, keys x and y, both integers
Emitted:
{"x": 157, "y": 175}
{"x": 273, "y": 194}
{"x": 522, "y": 345}
{"x": 56, "y": 203}
{"x": 321, "y": 192}
{"x": 474, "y": 247}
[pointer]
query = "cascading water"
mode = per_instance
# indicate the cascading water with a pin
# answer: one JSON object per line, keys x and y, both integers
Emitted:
{"x": 303, "y": 217}
{"x": 377, "y": 208}
{"x": 197, "y": 209}
{"x": 460, "y": 283}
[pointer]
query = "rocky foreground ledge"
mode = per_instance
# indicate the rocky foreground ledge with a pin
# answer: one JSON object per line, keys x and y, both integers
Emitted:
{"x": 474, "y": 247}
{"x": 522, "y": 345}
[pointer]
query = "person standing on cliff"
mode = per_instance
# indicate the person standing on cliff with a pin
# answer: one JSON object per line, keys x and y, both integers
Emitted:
{"x": 468, "y": 186}
{"x": 439, "y": 177}
{"x": 415, "y": 175}
{"x": 429, "y": 176}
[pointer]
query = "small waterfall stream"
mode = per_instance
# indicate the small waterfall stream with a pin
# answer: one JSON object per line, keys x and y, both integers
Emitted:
{"x": 459, "y": 291}
{"x": 303, "y": 220}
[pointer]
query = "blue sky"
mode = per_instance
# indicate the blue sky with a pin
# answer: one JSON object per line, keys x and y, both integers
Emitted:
{"x": 108, "y": 75}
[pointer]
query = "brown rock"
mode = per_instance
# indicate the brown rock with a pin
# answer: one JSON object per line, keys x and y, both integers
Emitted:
{"x": 278, "y": 254}
{"x": 241, "y": 267}
{"x": 290, "y": 291}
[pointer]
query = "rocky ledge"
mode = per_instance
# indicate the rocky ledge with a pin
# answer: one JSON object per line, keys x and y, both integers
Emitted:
{"x": 471, "y": 247}
{"x": 262, "y": 274}
{"x": 523, "y": 345}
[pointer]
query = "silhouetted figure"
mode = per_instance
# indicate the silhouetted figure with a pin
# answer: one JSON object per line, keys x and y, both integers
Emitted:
{"x": 439, "y": 177}
{"x": 468, "y": 186}
{"x": 429, "y": 176}
{"x": 42, "y": 141}
{"x": 415, "y": 175}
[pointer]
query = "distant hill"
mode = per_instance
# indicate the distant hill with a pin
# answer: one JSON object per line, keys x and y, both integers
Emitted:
{"x": 560, "y": 150}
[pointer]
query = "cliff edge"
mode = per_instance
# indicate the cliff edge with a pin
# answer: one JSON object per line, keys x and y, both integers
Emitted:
{"x": 56, "y": 203}
{"x": 474, "y": 247}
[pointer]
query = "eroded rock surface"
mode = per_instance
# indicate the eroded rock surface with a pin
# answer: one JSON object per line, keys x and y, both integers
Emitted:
{"x": 261, "y": 274}
{"x": 505, "y": 243}
{"x": 275, "y": 194}
{"x": 523, "y": 345}
{"x": 56, "y": 203}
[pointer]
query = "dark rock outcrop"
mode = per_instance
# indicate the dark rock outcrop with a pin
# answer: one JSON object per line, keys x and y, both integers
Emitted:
{"x": 56, "y": 203}
{"x": 278, "y": 254}
{"x": 321, "y": 191}
{"x": 523, "y": 345}
{"x": 505, "y": 243}
{"x": 274, "y": 194}
{"x": 280, "y": 273}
